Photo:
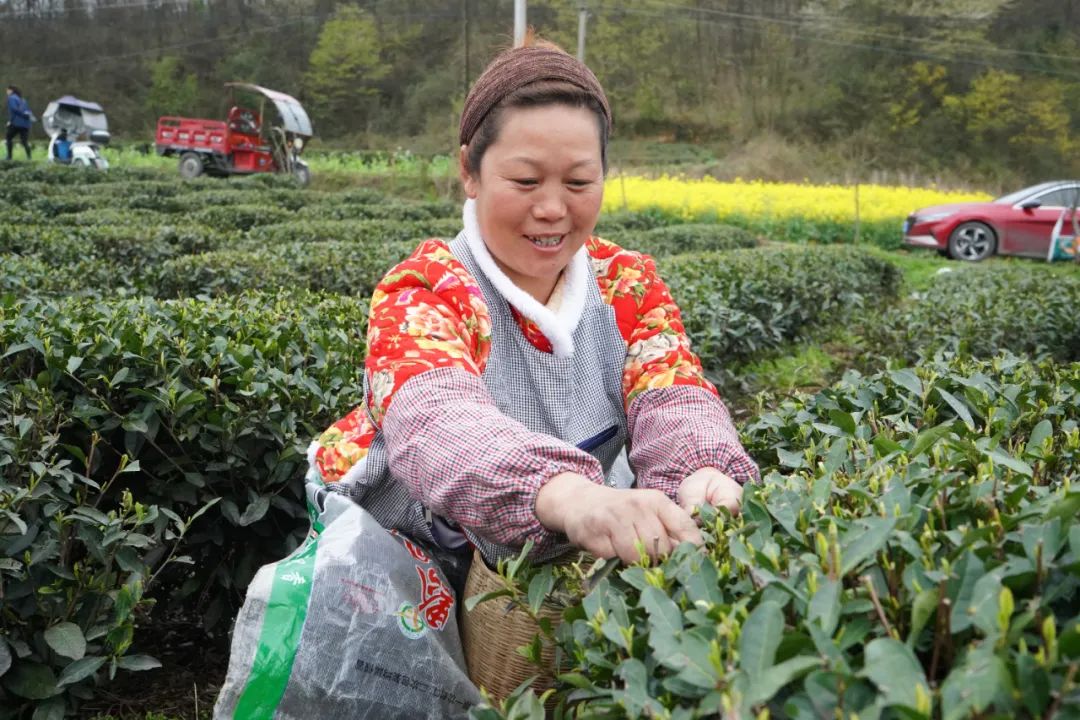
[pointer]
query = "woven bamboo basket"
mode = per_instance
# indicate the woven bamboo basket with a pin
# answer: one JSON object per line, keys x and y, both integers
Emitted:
{"x": 491, "y": 635}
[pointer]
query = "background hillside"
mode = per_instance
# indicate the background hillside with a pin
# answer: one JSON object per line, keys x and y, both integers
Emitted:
{"x": 975, "y": 92}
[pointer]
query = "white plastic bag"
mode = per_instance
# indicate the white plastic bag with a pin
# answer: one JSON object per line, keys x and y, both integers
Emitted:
{"x": 357, "y": 623}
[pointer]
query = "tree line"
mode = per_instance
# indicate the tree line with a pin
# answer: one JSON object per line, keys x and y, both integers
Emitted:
{"x": 980, "y": 89}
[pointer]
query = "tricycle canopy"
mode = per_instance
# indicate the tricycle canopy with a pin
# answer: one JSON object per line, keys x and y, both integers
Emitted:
{"x": 293, "y": 115}
{"x": 78, "y": 117}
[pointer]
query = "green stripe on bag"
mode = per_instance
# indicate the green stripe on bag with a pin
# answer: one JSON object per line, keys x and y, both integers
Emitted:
{"x": 286, "y": 610}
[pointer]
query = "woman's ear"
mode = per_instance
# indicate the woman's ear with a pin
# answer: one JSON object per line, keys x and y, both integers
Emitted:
{"x": 468, "y": 182}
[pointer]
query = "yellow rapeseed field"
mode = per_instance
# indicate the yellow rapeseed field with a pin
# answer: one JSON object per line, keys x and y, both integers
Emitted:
{"x": 778, "y": 201}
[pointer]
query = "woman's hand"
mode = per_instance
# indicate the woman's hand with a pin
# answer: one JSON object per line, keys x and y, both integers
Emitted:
{"x": 709, "y": 485}
{"x": 607, "y": 522}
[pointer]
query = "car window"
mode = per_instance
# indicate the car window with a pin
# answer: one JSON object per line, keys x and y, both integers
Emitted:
{"x": 1019, "y": 195}
{"x": 1062, "y": 197}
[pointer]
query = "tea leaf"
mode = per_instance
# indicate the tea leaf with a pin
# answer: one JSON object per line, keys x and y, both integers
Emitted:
{"x": 761, "y": 634}
{"x": 137, "y": 663}
{"x": 31, "y": 680}
{"x": 665, "y": 618}
{"x": 893, "y": 667}
{"x": 66, "y": 639}
{"x": 80, "y": 670}
{"x": 825, "y": 605}
{"x": 971, "y": 688}
{"x": 958, "y": 406}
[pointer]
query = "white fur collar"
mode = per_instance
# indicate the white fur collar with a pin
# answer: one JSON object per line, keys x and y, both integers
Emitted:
{"x": 558, "y": 327}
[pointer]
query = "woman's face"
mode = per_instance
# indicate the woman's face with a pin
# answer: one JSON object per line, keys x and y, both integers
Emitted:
{"x": 538, "y": 192}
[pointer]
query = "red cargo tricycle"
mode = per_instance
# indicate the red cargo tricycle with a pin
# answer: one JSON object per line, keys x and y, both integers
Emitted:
{"x": 245, "y": 142}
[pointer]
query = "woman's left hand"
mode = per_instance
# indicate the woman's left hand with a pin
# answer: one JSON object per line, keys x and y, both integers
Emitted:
{"x": 709, "y": 485}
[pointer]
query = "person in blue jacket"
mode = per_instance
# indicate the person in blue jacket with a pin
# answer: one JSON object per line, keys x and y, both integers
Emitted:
{"x": 19, "y": 119}
{"x": 62, "y": 148}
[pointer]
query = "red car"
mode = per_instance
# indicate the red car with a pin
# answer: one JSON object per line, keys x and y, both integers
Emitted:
{"x": 1020, "y": 223}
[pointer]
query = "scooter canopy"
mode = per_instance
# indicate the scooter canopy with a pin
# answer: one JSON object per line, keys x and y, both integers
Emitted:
{"x": 79, "y": 117}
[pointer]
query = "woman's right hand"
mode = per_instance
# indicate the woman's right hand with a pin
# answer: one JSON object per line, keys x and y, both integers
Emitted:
{"x": 608, "y": 522}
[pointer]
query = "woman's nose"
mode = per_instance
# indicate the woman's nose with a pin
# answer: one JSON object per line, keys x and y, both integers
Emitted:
{"x": 549, "y": 206}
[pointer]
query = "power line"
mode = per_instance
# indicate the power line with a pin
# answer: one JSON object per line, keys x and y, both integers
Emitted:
{"x": 817, "y": 38}
{"x": 446, "y": 17}
{"x": 796, "y": 29}
{"x": 851, "y": 31}
{"x": 159, "y": 48}
{"x": 47, "y": 13}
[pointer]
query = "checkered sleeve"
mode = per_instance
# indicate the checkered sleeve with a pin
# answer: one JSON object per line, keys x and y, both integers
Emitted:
{"x": 677, "y": 430}
{"x": 465, "y": 460}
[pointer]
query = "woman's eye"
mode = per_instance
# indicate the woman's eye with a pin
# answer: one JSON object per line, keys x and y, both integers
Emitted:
{"x": 527, "y": 182}
{"x": 579, "y": 183}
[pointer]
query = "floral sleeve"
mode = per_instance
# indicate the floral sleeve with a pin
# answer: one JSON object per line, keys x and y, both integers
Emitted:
{"x": 677, "y": 421}
{"x": 658, "y": 353}
{"x": 426, "y": 313}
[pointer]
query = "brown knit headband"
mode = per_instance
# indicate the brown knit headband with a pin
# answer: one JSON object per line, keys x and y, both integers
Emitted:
{"x": 516, "y": 68}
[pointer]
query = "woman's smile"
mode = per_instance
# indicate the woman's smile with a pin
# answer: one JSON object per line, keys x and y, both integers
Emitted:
{"x": 547, "y": 242}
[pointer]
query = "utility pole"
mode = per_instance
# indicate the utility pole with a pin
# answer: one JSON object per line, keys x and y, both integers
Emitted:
{"x": 519, "y": 22}
{"x": 465, "y": 7}
{"x": 582, "y": 20}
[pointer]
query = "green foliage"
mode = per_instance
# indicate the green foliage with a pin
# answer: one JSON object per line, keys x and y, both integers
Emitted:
{"x": 924, "y": 90}
{"x": 344, "y": 66}
{"x": 368, "y": 232}
{"x": 979, "y": 311}
{"x": 798, "y": 368}
{"x": 1015, "y": 115}
{"x": 241, "y": 217}
{"x": 382, "y": 210}
{"x": 133, "y": 247}
{"x": 212, "y": 400}
{"x": 689, "y": 238}
{"x": 698, "y": 71}
{"x": 911, "y": 552}
{"x": 338, "y": 266}
{"x": 615, "y": 223}
{"x": 739, "y": 303}
{"x": 172, "y": 90}
{"x": 33, "y": 274}
{"x": 78, "y": 554}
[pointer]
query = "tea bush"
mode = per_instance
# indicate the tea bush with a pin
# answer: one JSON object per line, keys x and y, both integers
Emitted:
{"x": 50, "y": 205}
{"x": 349, "y": 268}
{"x": 689, "y": 238}
{"x": 620, "y": 221}
{"x": 108, "y": 215}
{"x": 241, "y": 217}
{"x": 912, "y": 552}
{"x": 382, "y": 210}
{"x": 982, "y": 310}
{"x": 213, "y": 399}
{"x": 78, "y": 557}
{"x": 736, "y": 304}
{"x": 67, "y": 176}
{"x": 130, "y": 248}
{"x": 366, "y": 231}
{"x": 215, "y": 195}
{"x": 32, "y": 274}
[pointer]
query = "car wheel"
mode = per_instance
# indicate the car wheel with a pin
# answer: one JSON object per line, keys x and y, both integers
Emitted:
{"x": 191, "y": 166}
{"x": 972, "y": 241}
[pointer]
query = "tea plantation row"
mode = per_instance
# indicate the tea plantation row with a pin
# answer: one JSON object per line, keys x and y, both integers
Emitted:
{"x": 912, "y": 552}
